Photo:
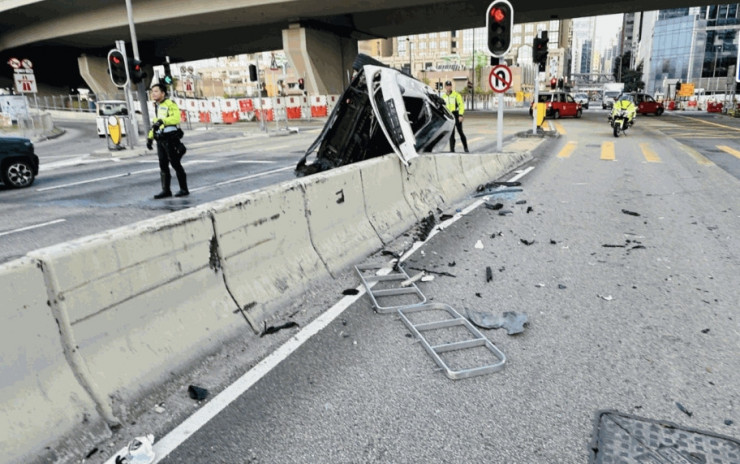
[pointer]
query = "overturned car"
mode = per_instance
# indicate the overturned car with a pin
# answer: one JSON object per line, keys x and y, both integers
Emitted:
{"x": 382, "y": 111}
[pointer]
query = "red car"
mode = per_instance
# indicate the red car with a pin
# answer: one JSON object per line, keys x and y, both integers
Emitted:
{"x": 646, "y": 104}
{"x": 558, "y": 104}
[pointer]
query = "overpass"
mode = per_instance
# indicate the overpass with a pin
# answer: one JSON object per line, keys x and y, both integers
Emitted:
{"x": 319, "y": 38}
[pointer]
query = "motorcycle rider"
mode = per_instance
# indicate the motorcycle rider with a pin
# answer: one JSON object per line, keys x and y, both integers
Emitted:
{"x": 624, "y": 102}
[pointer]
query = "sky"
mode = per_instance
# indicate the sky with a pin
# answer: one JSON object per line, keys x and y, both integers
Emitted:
{"x": 608, "y": 25}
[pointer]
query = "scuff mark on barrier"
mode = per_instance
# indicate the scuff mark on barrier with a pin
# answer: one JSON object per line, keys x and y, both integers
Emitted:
{"x": 213, "y": 260}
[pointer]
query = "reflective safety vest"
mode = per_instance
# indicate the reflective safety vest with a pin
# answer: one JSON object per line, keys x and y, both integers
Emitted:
{"x": 454, "y": 102}
{"x": 169, "y": 113}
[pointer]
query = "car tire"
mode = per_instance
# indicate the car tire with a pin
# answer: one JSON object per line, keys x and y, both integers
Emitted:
{"x": 578, "y": 114}
{"x": 17, "y": 174}
{"x": 586, "y": 107}
{"x": 361, "y": 60}
{"x": 556, "y": 114}
{"x": 659, "y": 112}
{"x": 603, "y": 107}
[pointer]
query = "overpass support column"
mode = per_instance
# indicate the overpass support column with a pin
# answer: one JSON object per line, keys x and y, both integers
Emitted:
{"x": 323, "y": 59}
{"x": 94, "y": 70}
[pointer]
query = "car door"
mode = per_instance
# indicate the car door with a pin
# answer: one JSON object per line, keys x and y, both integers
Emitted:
{"x": 569, "y": 106}
{"x": 648, "y": 105}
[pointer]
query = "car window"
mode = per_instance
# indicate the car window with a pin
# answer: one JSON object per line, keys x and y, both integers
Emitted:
{"x": 544, "y": 98}
{"x": 569, "y": 99}
{"x": 649, "y": 99}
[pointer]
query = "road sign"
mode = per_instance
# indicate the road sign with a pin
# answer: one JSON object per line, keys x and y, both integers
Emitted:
{"x": 500, "y": 78}
{"x": 25, "y": 82}
{"x": 26, "y": 63}
{"x": 686, "y": 90}
{"x": 14, "y": 63}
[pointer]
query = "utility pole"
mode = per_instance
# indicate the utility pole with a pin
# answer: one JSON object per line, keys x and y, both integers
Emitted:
{"x": 141, "y": 87}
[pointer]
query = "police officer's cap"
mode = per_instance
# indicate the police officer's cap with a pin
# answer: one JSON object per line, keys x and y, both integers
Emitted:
{"x": 448, "y": 83}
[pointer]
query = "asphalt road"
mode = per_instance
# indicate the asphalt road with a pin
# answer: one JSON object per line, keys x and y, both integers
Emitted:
{"x": 77, "y": 194}
{"x": 630, "y": 287}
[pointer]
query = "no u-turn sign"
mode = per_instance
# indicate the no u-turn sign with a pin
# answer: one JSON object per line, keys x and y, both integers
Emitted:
{"x": 500, "y": 78}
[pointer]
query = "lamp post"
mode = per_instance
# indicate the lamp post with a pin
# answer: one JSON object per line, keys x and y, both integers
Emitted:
{"x": 411, "y": 68}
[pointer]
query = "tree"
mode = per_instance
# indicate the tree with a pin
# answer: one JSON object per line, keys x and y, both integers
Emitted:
{"x": 632, "y": 78}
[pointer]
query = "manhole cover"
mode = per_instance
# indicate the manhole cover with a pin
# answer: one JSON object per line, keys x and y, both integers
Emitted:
{"x": 625, "y": 439}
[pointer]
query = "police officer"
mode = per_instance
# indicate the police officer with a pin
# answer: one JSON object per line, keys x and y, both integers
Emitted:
{"x": 166, "y": 133}
{"x": 454, "y": 103}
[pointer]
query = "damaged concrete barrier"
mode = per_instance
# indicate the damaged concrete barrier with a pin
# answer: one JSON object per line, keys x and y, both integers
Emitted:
{"x": 40, "y": 398}
{"x": 421, "y": 186}
{"x": 452, "y": 179}
{"x": 472, "y": 166}
{"x": 335, "y": 209}
{"x": 387, "y": 209}
{"x": 265, "y": 248}
{"x": 141, "y": 303}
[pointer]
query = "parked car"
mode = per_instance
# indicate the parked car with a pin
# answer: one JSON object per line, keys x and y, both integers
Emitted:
{"x": 19, "y": 165}
{"x": 382, "y": 111}
{"x": 646, "y": 104}
{"x": 558, "y": 104}
{"x": 582, "y": 98}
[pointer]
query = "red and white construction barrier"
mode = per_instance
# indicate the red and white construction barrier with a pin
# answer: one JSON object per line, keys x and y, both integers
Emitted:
{"x": 318, "y": 106}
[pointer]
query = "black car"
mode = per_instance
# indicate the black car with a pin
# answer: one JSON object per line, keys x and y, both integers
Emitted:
{"x": 19, "y": 165}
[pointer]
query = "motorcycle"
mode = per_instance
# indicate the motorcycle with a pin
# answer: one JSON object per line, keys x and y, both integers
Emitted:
{"x": 620, "y": 121}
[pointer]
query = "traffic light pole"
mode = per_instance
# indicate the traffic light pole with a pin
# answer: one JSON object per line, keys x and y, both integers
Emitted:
{"x": 141, "y": 86}
{"x": 131, "y": 131}
{"x": 535, "y": 104}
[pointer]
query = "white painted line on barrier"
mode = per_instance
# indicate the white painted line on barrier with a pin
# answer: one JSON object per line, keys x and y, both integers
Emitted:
{"x": 37, "y": 226}
{"x": 240, "y": 179}
{"x": 192, "y": 424}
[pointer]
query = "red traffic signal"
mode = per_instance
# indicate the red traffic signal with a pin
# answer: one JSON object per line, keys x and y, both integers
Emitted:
{"x": 500, "y": 25}
{"x": 301, "y": 83}
{"x": 136, "y": 71}
{"x": 117, "y": 68}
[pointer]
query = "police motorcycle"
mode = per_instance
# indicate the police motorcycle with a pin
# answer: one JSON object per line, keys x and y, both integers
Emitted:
{"x": 619, "y": 119}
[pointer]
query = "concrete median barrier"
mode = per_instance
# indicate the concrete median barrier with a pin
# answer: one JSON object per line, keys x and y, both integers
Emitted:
{"x": 40, "y": 398}
{"x": 142, "y": 302}
{"x": 453, "y": 181}
{"x": 472, "y": 165}
{"x": 386, "y": 206}
{"x": 421, "y": 186}
{"x": 335, "y": 208}
{"x": 265, "y": 246}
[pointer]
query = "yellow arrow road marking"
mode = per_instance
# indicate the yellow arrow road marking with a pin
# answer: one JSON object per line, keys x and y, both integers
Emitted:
{"x": 559, "y": 127}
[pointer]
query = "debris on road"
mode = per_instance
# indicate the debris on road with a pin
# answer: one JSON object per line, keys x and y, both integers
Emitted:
{"x": 729, "y": 422}
{"x": 505, "y": 212}
{"x": 553, "y": 242}
{"x": 139, "y": 451}
{"x": 683, "y": 409}
{"x": 412, "y": 279}
{"x": 159, "y": 408}
{"x": 539, "y": 285}
{"x": 445, "y": 217}
{"x": 704, "y": 331}
{"x": 479, "y": 245}
{"x": 605, "y": 297}
{"x": 521, "y": 202}
{"x": 275, "y": 329}
{"x": 631, "y": 213}
{"x": 426, "y": 226}
{"x": 452, "y": 264}
{"x": 489, "y": 274}
{"x": 529, "y": 209}
{"x": 495, "y": 206}
{"x": 197, "y": 393}
{"x": 497, "y": 234}
{"x": 427, "y": 271}
{"x": 562, "y": 287}
{"x": 512, "y": 321}
{"x": 527, "y": 242}
{"x": 427, "y": 278}
{"x": 91, "y": 453}
{"x": 350, "y": 291}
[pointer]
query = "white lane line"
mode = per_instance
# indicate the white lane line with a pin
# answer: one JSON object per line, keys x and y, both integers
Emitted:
{"x": 192, "y": 424}
{"x": 98, "y": 179}
{"x": 240, "y": 179}
{"x": 256, "y": 162}
{"x": 37, "y": 226}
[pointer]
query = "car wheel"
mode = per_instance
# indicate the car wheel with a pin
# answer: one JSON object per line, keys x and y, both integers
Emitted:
{"x": 17, "y": 174}
{"x": 659, "y": 112}
{"x": 586, "y": 106}
{"x": 556, "y": 114}
{"x": 578, "y": 114}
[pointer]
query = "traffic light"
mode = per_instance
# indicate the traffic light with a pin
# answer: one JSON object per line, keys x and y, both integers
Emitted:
{"x": 136, "y": 71}
{"x": 301, "y": 83}
{"x": 553, "y": 83}
{"x": 117, "y": 68}
{"x": 252, "y": 73}
{"x": 167, "y": 74}
{"x": 561, "y": 83}
{"x": 499, "y": 23}
{"x": 678, "y": 86}
{"x": 539, "y": 50}
{"x": 470, "y": 86}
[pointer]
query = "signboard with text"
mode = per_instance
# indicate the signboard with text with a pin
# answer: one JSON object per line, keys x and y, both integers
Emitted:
{"x": 686, "y": 90}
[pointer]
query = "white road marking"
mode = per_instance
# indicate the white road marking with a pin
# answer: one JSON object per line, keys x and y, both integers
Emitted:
{"x": 239, "y": 179}
{"x": 45, "y": 167}
{"x": 198, "y": 419}
{"x": 98, "y": 179}
{"x": 37, "y": 226}
{"x": 256, "y": 162}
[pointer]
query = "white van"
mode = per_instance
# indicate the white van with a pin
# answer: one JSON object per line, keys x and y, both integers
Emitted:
{"x": 107, "y": 108}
